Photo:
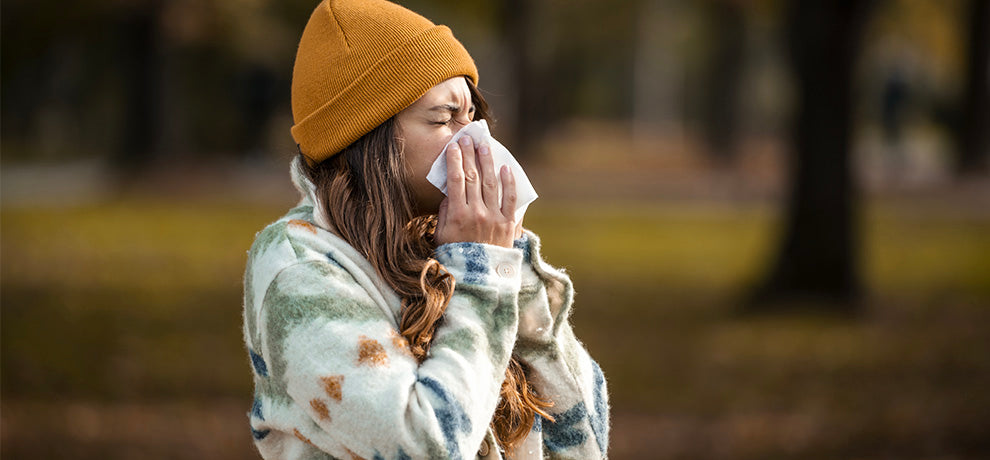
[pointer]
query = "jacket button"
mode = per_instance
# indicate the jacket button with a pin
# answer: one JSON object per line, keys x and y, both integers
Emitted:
{"x": 483, "y": 450}
{"x": 505, "y": 270}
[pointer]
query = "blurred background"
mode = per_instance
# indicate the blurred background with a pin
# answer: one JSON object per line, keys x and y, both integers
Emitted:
{"x": 776, "y": 215}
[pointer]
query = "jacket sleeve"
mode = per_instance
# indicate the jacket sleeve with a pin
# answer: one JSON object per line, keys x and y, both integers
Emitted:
{"x": 346, "y": 366}
{"x": 560, "y": 368}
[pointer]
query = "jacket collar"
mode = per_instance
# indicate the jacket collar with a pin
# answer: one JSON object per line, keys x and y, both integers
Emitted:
{"x": 352, "y": 260}
{"x": 307, "y": 189}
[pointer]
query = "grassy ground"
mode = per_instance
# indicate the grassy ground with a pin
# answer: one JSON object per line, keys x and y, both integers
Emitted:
{"x": 121, "y": 332}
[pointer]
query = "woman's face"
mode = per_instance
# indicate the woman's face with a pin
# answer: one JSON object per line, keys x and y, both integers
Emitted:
{"x": 424, "y": 128}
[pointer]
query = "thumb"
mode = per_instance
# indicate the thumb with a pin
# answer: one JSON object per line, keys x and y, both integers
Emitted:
{"x": 442, "y": 212}
{"x": 442, "y": 217}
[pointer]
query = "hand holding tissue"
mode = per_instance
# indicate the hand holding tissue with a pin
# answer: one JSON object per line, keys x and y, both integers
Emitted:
{"x": 479, "y": 133}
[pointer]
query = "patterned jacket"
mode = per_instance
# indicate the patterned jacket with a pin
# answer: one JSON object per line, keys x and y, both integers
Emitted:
{"x": 334, "y": 379}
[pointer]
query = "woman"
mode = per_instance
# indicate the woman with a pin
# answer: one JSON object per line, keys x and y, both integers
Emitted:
{"x": 382, "y": 319}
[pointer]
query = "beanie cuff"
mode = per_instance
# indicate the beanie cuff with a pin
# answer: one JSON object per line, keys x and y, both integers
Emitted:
{"x": 386, "y": 88}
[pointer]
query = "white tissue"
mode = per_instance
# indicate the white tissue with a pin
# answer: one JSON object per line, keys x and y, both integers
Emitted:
{"x": 478, "y": 130}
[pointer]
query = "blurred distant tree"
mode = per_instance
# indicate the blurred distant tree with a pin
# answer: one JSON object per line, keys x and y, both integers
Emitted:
{"x": 725, "y": 69}
{"x": 257, "y": 97}
{"x": 817, "y": 258}
{"x": 974, "y": 129}
{"x": 47, "y": 69}
{"x": 516, "y": 18}
{"x": 140, "y": 60}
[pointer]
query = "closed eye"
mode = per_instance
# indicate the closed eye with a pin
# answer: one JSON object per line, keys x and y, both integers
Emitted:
{"x": 449, "y": 121}
{"x": 452, "y": 110}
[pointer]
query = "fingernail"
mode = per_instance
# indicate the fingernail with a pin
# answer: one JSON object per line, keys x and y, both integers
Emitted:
{"x": 483, "y": 149}
{"x": 465, "y": 141}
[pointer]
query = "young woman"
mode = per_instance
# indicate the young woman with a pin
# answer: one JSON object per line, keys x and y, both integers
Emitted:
{"x": 384, "y": 320}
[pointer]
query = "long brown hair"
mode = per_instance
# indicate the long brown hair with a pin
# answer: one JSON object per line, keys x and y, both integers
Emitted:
{"x": 364, "y": 195}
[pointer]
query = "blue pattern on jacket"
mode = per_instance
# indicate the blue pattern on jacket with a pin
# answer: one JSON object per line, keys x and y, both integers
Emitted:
{"x": 453, "y": 419}
{"x": 564, "y": 431}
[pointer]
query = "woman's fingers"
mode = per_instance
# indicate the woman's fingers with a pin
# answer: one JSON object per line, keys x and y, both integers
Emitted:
{"x": 455, "y": 174}
{"x": 508, "y": 192}
{"x": 473, "y": 210}
{"x": 472, "y": 186}
{"x": 489, "y": 177}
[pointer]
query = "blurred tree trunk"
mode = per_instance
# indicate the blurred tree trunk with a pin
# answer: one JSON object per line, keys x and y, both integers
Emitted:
{"x": 516, "y": 20}
{"x": 817, "y": 259}
{"x": 657, "y": 71}
{"x": 140, "y": 65}
{"x": 257, "y": 96}
{"x": 725, "y": 69}
{"x": 974, "y": 130}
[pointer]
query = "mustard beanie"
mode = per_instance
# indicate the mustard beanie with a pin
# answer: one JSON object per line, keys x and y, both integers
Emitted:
{"x": 359, "y": 63}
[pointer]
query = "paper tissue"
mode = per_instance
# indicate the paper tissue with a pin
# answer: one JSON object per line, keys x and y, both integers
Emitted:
{"x": 478, "y": 130}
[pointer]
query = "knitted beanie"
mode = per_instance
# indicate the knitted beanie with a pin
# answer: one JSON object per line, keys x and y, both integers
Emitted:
{"x": 359, "y": 63}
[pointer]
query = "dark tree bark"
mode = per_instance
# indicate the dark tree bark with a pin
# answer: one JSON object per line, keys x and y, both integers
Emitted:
{"x": 817, "y": 259}
{"x": 974, "y": 129}
{"x": 724, "y": 78}
{"x": 257, "y": 97}
{"x": 141, "y": 70}
{"x": 516, "y": 20}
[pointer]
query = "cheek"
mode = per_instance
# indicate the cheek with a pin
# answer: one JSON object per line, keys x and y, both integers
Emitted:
{"x": 421, "y": 152}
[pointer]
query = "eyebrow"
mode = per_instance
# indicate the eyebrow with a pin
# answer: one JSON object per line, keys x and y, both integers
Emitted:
{"x": 452, "y": 108}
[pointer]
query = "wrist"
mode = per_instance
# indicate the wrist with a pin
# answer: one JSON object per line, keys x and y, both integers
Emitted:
{"x": 481, "y": 263}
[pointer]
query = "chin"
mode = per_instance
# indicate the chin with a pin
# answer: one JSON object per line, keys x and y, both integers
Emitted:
{"x": 428, "y": 207}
